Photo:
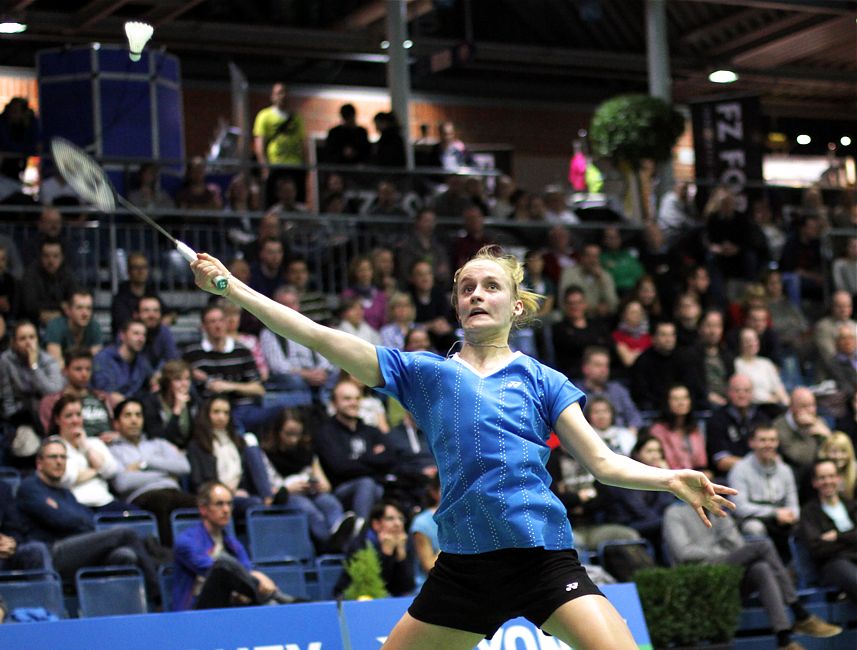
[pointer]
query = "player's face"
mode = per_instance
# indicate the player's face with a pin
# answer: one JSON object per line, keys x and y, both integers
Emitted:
{"x": 484, "y": 297}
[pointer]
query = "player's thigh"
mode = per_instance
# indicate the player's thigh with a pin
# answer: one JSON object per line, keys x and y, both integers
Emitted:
{"x": 590, "y": 622}
{"x": 411, "y": 634}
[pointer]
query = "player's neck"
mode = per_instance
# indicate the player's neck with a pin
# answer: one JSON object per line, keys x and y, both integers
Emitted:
{"x": 481, "y": 354}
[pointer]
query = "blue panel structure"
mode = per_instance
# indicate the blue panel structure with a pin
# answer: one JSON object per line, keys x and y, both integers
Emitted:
{"x": 59, "y": 116}
{"x": 125, "y": 105}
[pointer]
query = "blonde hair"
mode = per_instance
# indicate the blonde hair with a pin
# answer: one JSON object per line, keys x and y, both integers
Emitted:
{"x": 849, "y": 474}
{"x": 515, "y": 272}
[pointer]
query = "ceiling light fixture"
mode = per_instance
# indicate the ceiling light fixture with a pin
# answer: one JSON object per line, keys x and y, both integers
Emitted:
{"x": 722, "y": 77}
{"x": 845, "y": 141}
{"x": 12, "y": 27}
{"x": 803, "y": 138}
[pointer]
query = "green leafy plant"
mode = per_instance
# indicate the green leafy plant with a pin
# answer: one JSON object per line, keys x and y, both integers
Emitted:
{"x": 364, "y": 569}
{"x": 629, "y": 129}
{"x": 689, "y": 604}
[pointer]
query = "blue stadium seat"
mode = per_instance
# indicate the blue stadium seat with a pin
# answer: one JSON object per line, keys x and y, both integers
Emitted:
{"x": 143, "y": 523}
{"x": 110, "y": 591}
{"x": 277, "y": 534}
{"x": 12, "y": 477}
{"x": 34, "y": 588}
{"x": 290, "y": 577}
{"x": 165, "y": 582}
{"x": 329, "y": 569}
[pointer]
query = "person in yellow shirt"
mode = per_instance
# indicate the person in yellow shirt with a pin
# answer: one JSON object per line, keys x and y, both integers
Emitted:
{"x": 278, "y": 139}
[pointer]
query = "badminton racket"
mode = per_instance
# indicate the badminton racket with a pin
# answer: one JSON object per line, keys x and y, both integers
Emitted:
{"x": 90, "y": 181}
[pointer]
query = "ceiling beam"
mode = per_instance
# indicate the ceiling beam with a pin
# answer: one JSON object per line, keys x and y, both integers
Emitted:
{"x": 773, "y": 31}
{"x": 835, "y": 7}
{"x": 717, "y": 28}
{"x": 164, "y": 13}
{"x": 375, "y": 11}
{"x": 799, "y": 44}
{"x": 93, "y": 12}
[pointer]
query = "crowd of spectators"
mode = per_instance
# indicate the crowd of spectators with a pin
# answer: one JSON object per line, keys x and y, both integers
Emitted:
{"x": 724, "y": 342}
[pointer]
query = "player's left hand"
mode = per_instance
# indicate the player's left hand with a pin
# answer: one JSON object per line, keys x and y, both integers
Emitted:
{"x": 701, "y": 494}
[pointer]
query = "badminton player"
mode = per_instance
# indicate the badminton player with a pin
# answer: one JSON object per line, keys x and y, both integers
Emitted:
{"x": 506, "y": 541}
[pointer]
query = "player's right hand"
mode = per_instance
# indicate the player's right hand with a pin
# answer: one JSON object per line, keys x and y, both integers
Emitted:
{"x": 206, "y": 269}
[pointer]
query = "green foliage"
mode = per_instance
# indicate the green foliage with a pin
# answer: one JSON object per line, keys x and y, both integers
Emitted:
{"x": 632, "y": 128}
{"x": 688, "y": 604}
{"x": 364, "y": 569}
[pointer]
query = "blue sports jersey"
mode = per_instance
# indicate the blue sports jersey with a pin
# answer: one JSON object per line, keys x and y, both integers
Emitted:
{"x": 489, "y": 437}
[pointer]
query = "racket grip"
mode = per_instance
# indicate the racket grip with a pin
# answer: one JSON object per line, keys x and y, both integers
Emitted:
{"x": 190, "y": 255}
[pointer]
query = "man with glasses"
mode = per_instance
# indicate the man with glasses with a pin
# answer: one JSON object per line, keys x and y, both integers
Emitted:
{"x": 212, "y": 568}
{"x": 53, "y": 516}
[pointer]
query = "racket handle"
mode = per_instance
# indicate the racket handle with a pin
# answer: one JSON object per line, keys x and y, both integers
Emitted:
{"x": 190, "y": 255}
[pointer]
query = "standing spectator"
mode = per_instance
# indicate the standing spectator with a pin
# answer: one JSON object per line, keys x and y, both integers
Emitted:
{"x": 828, "y": 527}
{"x": 826, "y": 329}
{"x": 575, "y": 333}
{"x": 217, "y": 453}
{"x": 729, "y": 427}
{"x": 149, "y": 469}
{"x": 767, "y": 502}
{"x": 347, "y": 143}
{"x": 768, "y": 388}
{"x": 680, "y": 433}
{"x": 160, "y": 344}
{"x": 596, "y": 283}
{"x": 656, "y": 369}
{"x": 27, "y": 374}
{"x": 19, "y": 136}
{"x": 48, "y": 282}
{"x": 360, "y": 286}
{"x": 195, "y": 193}
{"x": 596, "y": 383}
{"x": 126, "y": 300}
{"x": 169, "y": 413}
{"x": 278, "y": 139}
{"x": 294, "y": 470}
{"x": 212, "y": 569}
{"x": 97, "y": 416}
{"x": 390, "y": 147}
{"x": 801, "y": 431}
{"x": 450, "y": 152}
{"x": 424, "y": 245}
{"x": 120, "y": 369}
{"x": 75, "y": 328}
{"x": 354, "y": 456}
{"x": 53, "y": 516}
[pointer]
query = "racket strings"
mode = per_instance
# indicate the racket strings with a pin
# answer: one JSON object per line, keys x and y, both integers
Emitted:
{"x": 83, "y": 174}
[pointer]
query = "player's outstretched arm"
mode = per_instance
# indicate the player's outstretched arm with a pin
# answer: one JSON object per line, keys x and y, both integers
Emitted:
{"x": 352, "y": 354}
{"x": 611, "y": 468}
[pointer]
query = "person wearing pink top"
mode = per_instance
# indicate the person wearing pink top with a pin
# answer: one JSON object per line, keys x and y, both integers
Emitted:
{"x": 679, "y": 433}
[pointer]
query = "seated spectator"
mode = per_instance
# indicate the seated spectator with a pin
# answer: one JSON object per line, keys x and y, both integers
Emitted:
{"x": 803, "y": 261}
{"x": 698, "y": 281}
{"x": 196, "y": 193}
{"x": 418, "y": 340}
{"x": 423, "y": 532}
{"x": 266, "y": 273}
{"x": 287, "y": 195}
{"x": 687, "y": 316}
{"x": 845, "y": 269}
{"x": 169, "y": 412}
{"x": 596, "y": 282}
{"x": 400, "y": 320}
{"x": 680, "y": 433}
{"x": 221, "y": 365}
{"x": 160, "y": 344}
{"x": 688, "y": 542}
{"x": 17, "y": 554}
{"x": 414, "y": 460}
{"x": 474, "y": 187}
{"x": 53, "y": 516}
{"x": 534, "y": 338}
{"x": 386, "y": 202}
{"x": 212, "y": 569}
{"x": 801, "y": 431}
{"x": 126, "y": 301}
{"x": 74, "y": 328}
{"x": 360, "y": 285}
{"x": 296, "y": 477}
{"x": 758, "y": 319}
{"x": 838, "y": 448}
{"x": 575, "y": 333}
{"x": 754, "y": 296}
{"x": 269, "y": 227}
{"x": 354, "y": 322}
{"x": 27, "y": 374}
{"x": 842, "y": 367}
{"x": 387, "y": 533}
{"x": 148, "y": 193}
{"x": 473, "y": 236}
{"x": 767, "y": 500}
{"x": 631, "y": 337}
{"x": 736, "y": 245}
{"x": 10, "y": 291}
{"x": 560, "y": 253}
{"x": 729, "y": 427}
{"x": 825, "y": 330}
{"x": 450, "y": 152}
{"x": 97, "y": 417}
{"x": 657, "y": 368}
{"x": 770, "y": 225}
{"x": 556, "y": 208}
{"x": 232, "y": 315}
{"x": 384, "y": 270}
{"x": 355, "y": 457}
{"x": 217, "y": 452}
{"x": 708, "y": 363}
{"x": 768, "y": 389}
{"x": 646, "y": 293}
{"x": 50, "y": 226}
{"x": 315, "y": 305}
{"x": 347, "y": 143}
{"x": 371, "y": 411}
{"x": 298, "y": 373}
{"x": 789, "y": 324}
{"x": 643, "y": 510}
{"x": 676, "y": 213}
{"x": 48, "y": 282}
{"x": 599, "y": 412}
{"x": 828, "y": 528}
{"x": 89, "y": 464}
{"x": 149, "y": 469}
{"x": 424, "y": 244}
{"x": 433, "y": 310}
{"x": 121, "y": 370}
{"x": 596, "y": 383}
{"x": 501, "y": 201}
{"x": 620, "y": 262}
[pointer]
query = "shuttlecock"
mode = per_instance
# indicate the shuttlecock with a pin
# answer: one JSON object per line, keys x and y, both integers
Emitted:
{"x": 138, "y": 35}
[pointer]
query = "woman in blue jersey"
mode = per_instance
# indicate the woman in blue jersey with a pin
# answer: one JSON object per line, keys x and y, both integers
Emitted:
{"x": 506, "y": 542}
